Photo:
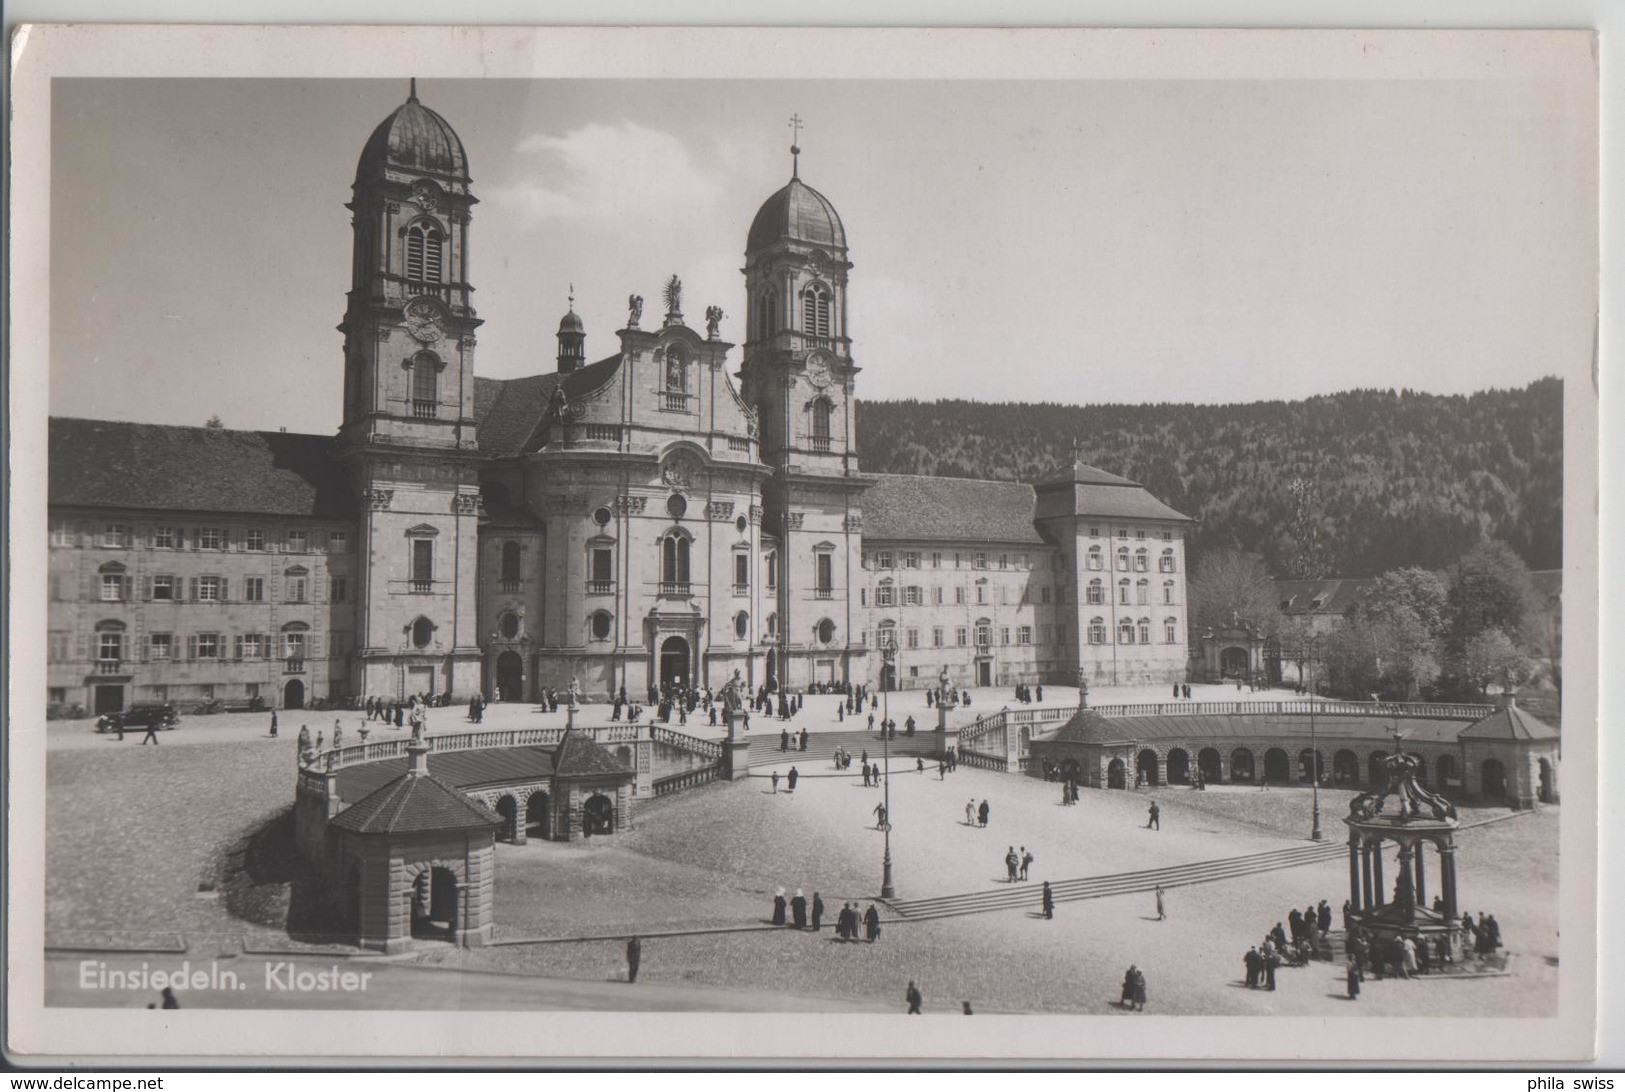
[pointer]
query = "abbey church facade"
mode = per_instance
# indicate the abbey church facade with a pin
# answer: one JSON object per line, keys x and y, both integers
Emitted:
{"x": 654, "y": 516}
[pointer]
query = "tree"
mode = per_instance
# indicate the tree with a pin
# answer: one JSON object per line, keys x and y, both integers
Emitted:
{"x": 1491, "y": 657}
{"x": 1490, "y": 589}
{"x": 1233, "y": 588}
{"x": 1308, "y": 561}
{"x": 1409, "y": 593}
{"x": 214, "y": 421}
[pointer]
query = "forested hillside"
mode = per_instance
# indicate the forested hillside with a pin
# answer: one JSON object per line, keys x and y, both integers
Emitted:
{"x": 1348, "y": 484}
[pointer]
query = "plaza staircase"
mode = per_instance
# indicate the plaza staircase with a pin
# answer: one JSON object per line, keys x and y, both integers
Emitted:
{"x": 1025, "y": 896}
{"x": 820, "y": 753}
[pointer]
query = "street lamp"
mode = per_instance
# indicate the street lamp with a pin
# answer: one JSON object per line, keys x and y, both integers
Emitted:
{"x": 1314, "y": 759}
{"x": 888, "y": 660}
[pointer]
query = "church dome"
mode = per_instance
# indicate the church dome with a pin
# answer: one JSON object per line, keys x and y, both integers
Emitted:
{"x": 571, "y": 324}
{"x": 413, "y": 138}
{"x": 796, "y": 212}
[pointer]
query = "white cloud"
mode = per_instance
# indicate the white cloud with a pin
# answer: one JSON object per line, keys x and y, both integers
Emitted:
{"x": 606, "y": 171}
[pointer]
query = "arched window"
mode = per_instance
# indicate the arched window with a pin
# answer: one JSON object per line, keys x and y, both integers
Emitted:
{"x": 770, "y": 570}
{"x": 741, "y": 625}
{"x": 1122, "y": 592}
{"x": 425, "y": 385}
{"x": 1125, "y": 632}
{"x": 1095, "y": 558}
{"x": 984, "y": 633}
{"x": 1097, "y": 592}
{"x": 772, "y": 627}
{"x": 1165, "y": 563}
{"x": 1097, "y": 631}
{"x": 510, "y": 564}
{"x": 1142, "y": 592}
{"x": 674, "y": 563}
{"x": 820, "y": 424}
{"x": 423, "y": 252}
{"x": 1168, "y": 592}
{"x": 1170, "y": 631}
{"x": 815, "y": 311}
{"x": 1145, "y": 631}
{"x": 602, "y": 623}
{"x": 767, "y": 305}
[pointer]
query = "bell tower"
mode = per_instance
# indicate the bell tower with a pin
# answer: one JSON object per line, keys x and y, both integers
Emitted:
{"x": 408, "y": 439}
{"x": 798, "y": 377}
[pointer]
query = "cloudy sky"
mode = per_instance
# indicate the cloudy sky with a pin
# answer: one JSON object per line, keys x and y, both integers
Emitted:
{"x": 1074, "y": 241}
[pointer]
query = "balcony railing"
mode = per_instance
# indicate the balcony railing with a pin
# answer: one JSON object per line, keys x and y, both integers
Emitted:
{"x": 674, "y": 587}
{"x": 823, "y": 593}
{"x": 421, "y": 587}
{"x": 602, "y": 587}
{"x": 109, "y": 667}
{"x": 293, "y": 665}
{"x": 512, "y": 585}
{"x": 741, "y": 589}
{"x": 818, "y": 443}
{"x": 674, "y": 401}
{"x": 423, "y": 407}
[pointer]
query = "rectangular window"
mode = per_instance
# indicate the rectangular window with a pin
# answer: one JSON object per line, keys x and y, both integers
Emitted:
{"x": 1122, "y": 594}
{"x": 110, "y": 646}
{"x": 913, "y": 638}
{"x": 163, "y": 587}
{"x": 338, "y": 542}
{"x": 959, "y": 596}
{"x": 206, "y": 538}
{"x": 208, "y": 589}
{"x": 961, "y": 636}
{"x": 57, "y": 651}
{"x": 883, "y": 559}
{"x": 1043, "y": 595}
{"x": 298, "y": 542}
{"x": 1122, "y": 532}
{"x": 165, "y": 538}
{"x": 863, "y": 597}
{"x": 741, "y": 573}
{"x": 1140, "y": 533}
{"x": 981, "y": 593}
{"x": 770, "y": 571}
{"x": 422, "y": 564}
{"x": 115, "y": 534}
{"x": 1024, "y": 635}
{"x": 911, "y": 559}
{"x": 911, "y": 596}
{"x": 956, "y": 559}
{"x": 254, "y": 589}
{"x": 61, "y": 533}
{"x": 601, "y": 581}
{"x": 825, "y": 573}
{"x": 57, "y": 695}
{"x": 254, "y": 540}
{"x": 936, "y": 637}
{"x": 1094, "y": 532}
{"x": 885, "y": 596}
{"x": 298, "y": 589}
{"x": 161, "y": 646}
{"x": 253, "y": 646}
{"x": 936, "y": 560}
{"x": 1004, "y": 635}
{"x": 1024, "y": 562}
{"x": 936, "y": 595}
{"x": 1004, "y": 561}
{"x": 206, "y": 691}
{"x": 112, "y": 587}
{"x": 208, "y": 646}
{"x": 293, "y": 646}
{"x": 340, "y": 589}
{"x": 1167, "y": 536}
{"x": 978, "y": 560}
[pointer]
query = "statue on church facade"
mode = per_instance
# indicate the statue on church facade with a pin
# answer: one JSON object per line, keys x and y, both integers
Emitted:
{"x": 713, "y": 322}
{"x": 634, "y": 308}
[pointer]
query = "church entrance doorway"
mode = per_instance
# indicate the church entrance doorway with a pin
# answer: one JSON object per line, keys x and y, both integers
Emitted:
{"x": 1233, "y": 663}
{"x": 109, "y": 699}
{"x": 293, "y": 695}
{"x": 674, "y": 662}
{"x": 510, "y": 677}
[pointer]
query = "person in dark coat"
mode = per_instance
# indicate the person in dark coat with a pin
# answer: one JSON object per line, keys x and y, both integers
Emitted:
{"x": 1271, "y": 962}
{"x": 1295, "y": 921}
{"x": 1255, "y": 964}
{"x": 273, "y": 724}
{"x": 791, "y": 778}
{"x": 1352, "y": 976}
{"x": 1154, "y": 817}
{"x": 784, "y": 739}
{"x": 817, "y": 912}
{"x": 981, "y": 813}
{"x": 1323, "y": 918}
{"x": 914, "y": 999}
{"x": 634, "y": 956}
{"x": 1047, "y": 901}
{"x": 849, "y": 921}
{"x": 798, "y": 910}
{"x": 871, "y": 924}
{"x": 170, "y": 1001}
{"x": 778, "y": 907}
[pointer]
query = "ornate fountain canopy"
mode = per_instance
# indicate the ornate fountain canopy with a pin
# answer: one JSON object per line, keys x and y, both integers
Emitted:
{"x": 1404, "y": 801}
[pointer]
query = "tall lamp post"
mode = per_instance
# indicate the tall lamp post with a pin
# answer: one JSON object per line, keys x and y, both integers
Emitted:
{"x": 1314, "y": 759}
{"x": 888, "y": 660}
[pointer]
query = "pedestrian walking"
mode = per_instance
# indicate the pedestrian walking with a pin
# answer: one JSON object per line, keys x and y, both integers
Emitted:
{"x": 152, "y": 738}
{"x": 871, "y": 924}
{"x": 970, "y": 813}
{"x": 1154, "y": 817}
{"x": 1047, "y": 901}
{"x": 1011, "y": 864}
{"x": 1161, "y": 915}
{"x": 634, "y": 956}
{"x": 774, "y": 777}
{"x": 981, "y": 812}
{"x": 1026, "y": 863}
{"x": 273, "y": 724}
{"x": 915, "y": 1000}
{"x": 880, "y": 816}
{"x": 791, "y": 778}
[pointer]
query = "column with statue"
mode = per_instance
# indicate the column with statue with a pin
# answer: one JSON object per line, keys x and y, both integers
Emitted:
{"x": 947, "y": 698}
{"x": 735, "y": 748}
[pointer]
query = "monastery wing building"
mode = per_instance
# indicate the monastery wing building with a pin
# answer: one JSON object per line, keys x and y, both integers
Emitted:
{"x": 646, "y": 518}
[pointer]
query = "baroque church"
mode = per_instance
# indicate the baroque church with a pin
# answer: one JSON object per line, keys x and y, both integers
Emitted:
{"x": 646, "y": 518}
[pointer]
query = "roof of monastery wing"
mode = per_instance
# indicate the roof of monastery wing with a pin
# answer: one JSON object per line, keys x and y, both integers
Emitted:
{"x": 415, "y": 803}
{"x": 118, "y": 464}
{"x": 507, "y": 411}
{"x": 911, "y": 508}
{"x": 1510, "y": 723}
{"x": 1331, "y": 596}
{"x": 1198, "y": 729}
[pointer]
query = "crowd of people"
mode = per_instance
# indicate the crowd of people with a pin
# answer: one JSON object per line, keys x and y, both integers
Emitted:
{"x": 798, "y": 913}
{"x": 1306, "y": 940}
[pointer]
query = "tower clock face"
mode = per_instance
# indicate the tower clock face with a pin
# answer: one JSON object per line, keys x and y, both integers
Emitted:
{"x": 818, "y": 372}
{"x": 423, "y": 319}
